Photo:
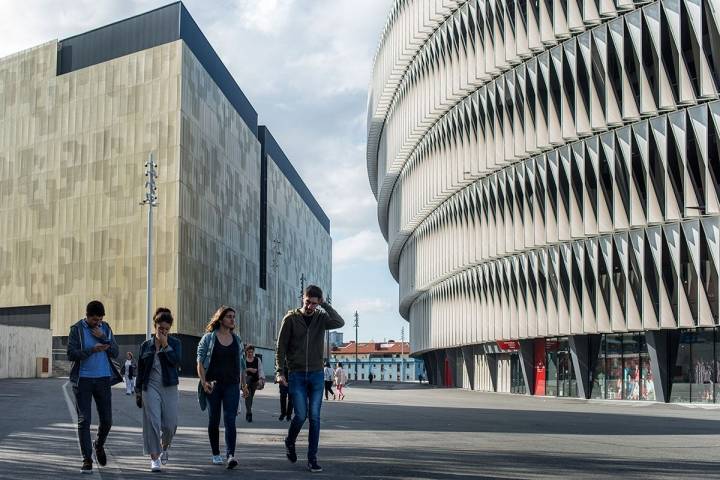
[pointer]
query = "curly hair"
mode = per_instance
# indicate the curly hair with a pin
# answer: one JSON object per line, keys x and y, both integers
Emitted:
{"x": 218, "y": 317}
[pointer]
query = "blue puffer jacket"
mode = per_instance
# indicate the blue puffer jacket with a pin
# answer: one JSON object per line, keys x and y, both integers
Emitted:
{"x": 170, "y": 358}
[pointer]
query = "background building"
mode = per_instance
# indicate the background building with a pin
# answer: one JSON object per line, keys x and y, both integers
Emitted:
{"x": 548, "y": 179}
{"x": 388, "y": 361}
{"x": 78, "y": 119}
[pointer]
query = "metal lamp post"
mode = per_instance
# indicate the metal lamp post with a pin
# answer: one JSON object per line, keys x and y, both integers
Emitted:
{"x": 276, "y": 267}
{"x": 402, "y": 352}
{"x": 151, "y": 201}
{"x": 357, "y": 324}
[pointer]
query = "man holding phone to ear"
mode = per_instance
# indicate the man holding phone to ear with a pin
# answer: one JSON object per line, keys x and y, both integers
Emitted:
{"x": 91, "y": 346}
{"x": 300, "y": 347}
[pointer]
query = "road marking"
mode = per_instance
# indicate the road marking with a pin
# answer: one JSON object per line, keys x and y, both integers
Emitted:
{"x": 73, "y": 414}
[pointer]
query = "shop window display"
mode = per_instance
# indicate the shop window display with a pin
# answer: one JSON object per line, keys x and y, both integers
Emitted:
{"x": 598, "y": 374}
{"x": 614, "y": 381}
{"x": 701, "y": 372}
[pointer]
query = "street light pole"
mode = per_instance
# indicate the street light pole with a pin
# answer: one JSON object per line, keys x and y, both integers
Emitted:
{"x": 276, "y": 267}
{"x": 402, "y": 352}
{"x": 151, "y": 201}
{"x": 357, "y": 324}
{"x": 302, "y": 288}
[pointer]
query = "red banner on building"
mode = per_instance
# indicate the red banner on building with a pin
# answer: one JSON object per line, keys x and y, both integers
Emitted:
{"x": 508, "y": 345}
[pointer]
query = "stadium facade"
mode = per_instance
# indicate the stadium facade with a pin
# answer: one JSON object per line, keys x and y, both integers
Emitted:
{"x": 78, "y": 119}
{"x": 548, "y": 181}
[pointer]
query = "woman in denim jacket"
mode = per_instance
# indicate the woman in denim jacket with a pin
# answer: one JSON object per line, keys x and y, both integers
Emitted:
{"x": 157, "y": 388}
{"x": 221, "y": 368}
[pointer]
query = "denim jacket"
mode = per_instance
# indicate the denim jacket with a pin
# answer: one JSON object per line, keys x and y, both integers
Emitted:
{"x": 170, "y": 358}
{"x": 76, "y": 351}
{"x": 204, "y": 355}
{"x": 205, "y": 350}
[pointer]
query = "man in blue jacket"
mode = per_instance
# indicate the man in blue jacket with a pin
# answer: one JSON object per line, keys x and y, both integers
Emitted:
{"x": 91, "y": 346}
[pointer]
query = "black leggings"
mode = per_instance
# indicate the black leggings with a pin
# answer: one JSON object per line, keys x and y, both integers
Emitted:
{"x": 328, "y": 388}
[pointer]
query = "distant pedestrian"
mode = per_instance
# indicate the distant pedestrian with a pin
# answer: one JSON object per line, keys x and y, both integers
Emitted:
{"x": 254, "y": 378}
{"x": 340, "y": 381}
{"x": 91, "y": 347}
{"x": 328, "y": 373}
{"x": 157, "y": 388}
{"x": 286, "y": 403}
{"x": 300, "y": 345}
{"x": 128, "y": 373}
{"x": 420, "y": 377}
{"x": 370, "y": 377}
{"x": 221, "y": 368}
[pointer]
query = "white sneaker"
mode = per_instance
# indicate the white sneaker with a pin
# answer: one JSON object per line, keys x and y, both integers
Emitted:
{"x": 164, "y": 457}
{"x": 231, "y": 462}
{"x": 155, "y": 465}
{"x": 217, "y": 460}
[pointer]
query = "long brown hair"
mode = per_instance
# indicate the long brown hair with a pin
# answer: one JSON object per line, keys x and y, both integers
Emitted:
{"x": 218, "y": 317}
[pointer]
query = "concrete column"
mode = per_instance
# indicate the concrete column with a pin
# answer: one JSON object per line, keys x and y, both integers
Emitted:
{"x": 452, "y": 361}
{"x": 493, "y": 368}
{"x": 468, "y": 354}
{"x": 527, "y": 362}
{"x": 584, "y": 350}
{"x": 663, "y": 349}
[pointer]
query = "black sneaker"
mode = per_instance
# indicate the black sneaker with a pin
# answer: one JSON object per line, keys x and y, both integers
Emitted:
{"x": 86, "y": 466}
{"x": 231, "y": 462}
{"x": 281, "y": 418}
{"x": 288, "y": 418}
{"x": 100, "y": 454}
{"x": 248, "y": 417}
{"x": 290, "y": 451}
{"x": 313, "y": 466}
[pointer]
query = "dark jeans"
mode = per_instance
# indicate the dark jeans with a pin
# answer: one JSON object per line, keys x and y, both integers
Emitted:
{"x": 306, "y": 390}
{"x": 85, "y": 391}
{"x": 328, "y": 389}
{"x": 251, "y": 386}
{"x": 286, "y": 404}
{"x": 227, "y": 396}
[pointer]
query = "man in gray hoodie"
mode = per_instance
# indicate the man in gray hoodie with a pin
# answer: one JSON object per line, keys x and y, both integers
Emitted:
{"x": 300, "y": 347}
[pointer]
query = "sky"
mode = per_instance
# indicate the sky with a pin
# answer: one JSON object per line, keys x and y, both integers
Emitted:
{"x": 305, "y": 65}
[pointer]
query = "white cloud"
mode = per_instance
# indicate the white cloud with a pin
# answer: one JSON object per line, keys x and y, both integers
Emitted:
{"x": 359, "y": 249}
{"x": 368, "y": 306}
{"x": 266, "y": 16}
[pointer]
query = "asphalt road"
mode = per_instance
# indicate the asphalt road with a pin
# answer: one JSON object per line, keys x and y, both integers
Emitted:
{"x": 379, "y": 432}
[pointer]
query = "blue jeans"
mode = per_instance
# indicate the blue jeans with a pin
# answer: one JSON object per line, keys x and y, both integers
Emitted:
{"x": 226, "y": 395}
{"x": 306, "y": 390}
{"x": 85, "y": 391}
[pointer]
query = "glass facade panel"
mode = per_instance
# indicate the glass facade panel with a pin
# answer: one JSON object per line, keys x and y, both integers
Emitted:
{"x": 631, "y": 366}
{"x": 647, "y": 385}
{"x": 517, "y": 381}
{"x": 614, "y": 374}
{"x": 702, "y": 372}
{"x": 567, "y": 386}
{"x": 551, "y": 351}
{"x": 680, "y": 374}
{"x": 599, "y": 373}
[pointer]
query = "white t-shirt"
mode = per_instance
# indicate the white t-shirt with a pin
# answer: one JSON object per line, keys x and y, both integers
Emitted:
{"x": 128, "y": 364}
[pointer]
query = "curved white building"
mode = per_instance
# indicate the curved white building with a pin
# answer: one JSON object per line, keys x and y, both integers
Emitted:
{"x": 548, "y": 181}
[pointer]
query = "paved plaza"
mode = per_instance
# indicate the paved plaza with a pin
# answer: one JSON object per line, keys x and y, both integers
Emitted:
{"x": 393, "y": 432}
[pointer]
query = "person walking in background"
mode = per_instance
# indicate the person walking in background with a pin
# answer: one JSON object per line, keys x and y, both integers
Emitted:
{"x": 254, "y": 378}
{"x": 370, "y": 377}
{"x": 300, "y": 346}
{"x": 340, "y": 381}
{"x": 128, "y": 372}
{"x": 328, "y": 372}
{"x": 221, "y": 368}
{"x": 286, "y": 404}
{"x": 91, "y": 347}
{"x": 157, "y": 388}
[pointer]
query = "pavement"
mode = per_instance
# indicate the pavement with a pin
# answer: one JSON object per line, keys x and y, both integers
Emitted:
{"x": 379, "y": 432}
